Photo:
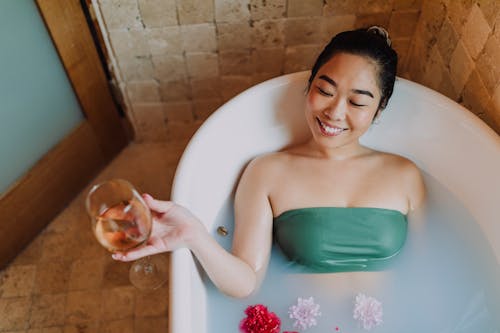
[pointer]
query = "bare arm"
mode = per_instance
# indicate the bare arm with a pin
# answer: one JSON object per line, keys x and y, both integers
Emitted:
{"x": 238, "y": 273}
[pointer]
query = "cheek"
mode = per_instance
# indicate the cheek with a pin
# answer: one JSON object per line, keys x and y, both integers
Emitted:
{"x": 363, "y": 119}
{"x": 314, "y": 102}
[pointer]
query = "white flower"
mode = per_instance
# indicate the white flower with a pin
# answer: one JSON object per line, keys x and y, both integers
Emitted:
{"x": 368, "y": 311}
{"x": 304, "y": 313}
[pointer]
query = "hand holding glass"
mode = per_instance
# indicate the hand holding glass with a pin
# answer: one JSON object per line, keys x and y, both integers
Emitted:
{"x": 121, "y": 221}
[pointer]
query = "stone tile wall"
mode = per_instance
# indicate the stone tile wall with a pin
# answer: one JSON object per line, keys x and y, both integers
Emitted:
{"x": 456, "y": 51}
{"x": 181, "y": 59}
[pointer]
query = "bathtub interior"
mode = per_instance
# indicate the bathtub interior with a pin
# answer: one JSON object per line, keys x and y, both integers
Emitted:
{"x": 443, "y": 139}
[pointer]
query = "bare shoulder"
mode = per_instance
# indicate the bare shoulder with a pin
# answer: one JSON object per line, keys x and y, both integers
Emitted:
{"x": 266, "y": 166}
{"x": 408, "y": 175}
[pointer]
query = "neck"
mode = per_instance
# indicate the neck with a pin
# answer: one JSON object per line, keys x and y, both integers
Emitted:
{"x": 339, "y": 153}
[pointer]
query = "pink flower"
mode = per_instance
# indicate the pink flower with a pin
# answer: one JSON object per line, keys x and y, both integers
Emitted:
{"x": 368, "y": 311}
{"x": 260, "y": 320}
{"x": 304, "y": 313}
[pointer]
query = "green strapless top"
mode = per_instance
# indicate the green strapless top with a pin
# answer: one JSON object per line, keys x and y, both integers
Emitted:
{"x": 340, "y": 239}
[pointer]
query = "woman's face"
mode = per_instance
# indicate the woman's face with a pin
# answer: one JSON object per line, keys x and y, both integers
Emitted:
{"x": 342, "y": 100}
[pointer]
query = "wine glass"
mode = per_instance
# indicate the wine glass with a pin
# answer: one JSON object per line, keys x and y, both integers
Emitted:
{"x": 121, "y": 221}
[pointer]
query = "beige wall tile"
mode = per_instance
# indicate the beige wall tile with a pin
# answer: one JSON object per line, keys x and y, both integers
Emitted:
{"x": 461, "y": 66}
{"x": 52, "y": 277}
{"x": 403, "y": 24}
{"x": 303, "y": 31}
{"x": 117, "y": 303}
{"x": 402, "y": 48}
{"x": 375, "y": 6}
{"x": 83, "y": 306}
{"x": 158, "y": 13}
{"x": 143, "y": 91}
{"x": 432, "y": 14}
{"x": 180, "y": 133}
{"x": 136, "y": 68}
{"x": 496, "y": 100}
{"x": 82, "y": 328}
{"x": 368, "y": 20}
{"x": 446, "y": 87}
{"x": 494, "y": 112}
{"x": 86, "y": 274}
{"x": 206, "y": 88}
{"x": 16, "y": 281}
{"x": 195, "y": 11}
{"x": 475, "y": 96}
{"x": 178, "y": 111}
{"x": 121, "y": 14}
{"x": 59, "y": 329}
{"x": 130, "y": 42}
{"x": 234, "y": 36}
{"x": 235, "y": 63}
{"x": 175, "y": 91}
{"x": 268, "y": 33}
{"x": 416, "y": 63}
{"x": 268, "y": 60}
{"x": 203, "y": 108}
{"x": 151, "y": 304}
{"x": 117, "y": 326}
{"x": 302, "y": 57}
{"x": 261, "y": 77}
{"x": 233, "y": 85}
{"x": 447, "y": 40}
{"x": 151, "y": 324}
{"x": 47, "y": 310}
{"x": 475, "y": 32}
{"x": 340, "y": 7}
{"x": 434, "y": 70}
{"x": 202, "y": 65}
{"x": 231, "y": 10}
{"x": 199, "y": 37}
{"x": 267, "y": 9}
{"x": 164, "y": 40}
{"x": 490, "y": 10}
{"x": 150, "y": 128}
{"x": 407, "y": 4}
{"x": 332, "y": 25}
{"x": 304, "y": 8}
{"x": 14, "y": 313}
{"x": 488, "y": 64}
{"x": 496, "y": 30}
{"x": 169, "y": 68}
{"x": 457, "y": 12}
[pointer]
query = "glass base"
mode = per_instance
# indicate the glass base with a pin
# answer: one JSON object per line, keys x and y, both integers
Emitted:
{"x": 149, "y": 273}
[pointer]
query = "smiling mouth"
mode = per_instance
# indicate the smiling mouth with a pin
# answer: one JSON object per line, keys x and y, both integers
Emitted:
{"x": 329, "y": 130}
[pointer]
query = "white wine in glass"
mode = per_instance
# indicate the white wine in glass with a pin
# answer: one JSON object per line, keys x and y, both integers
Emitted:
{"x": 121, "y": 221}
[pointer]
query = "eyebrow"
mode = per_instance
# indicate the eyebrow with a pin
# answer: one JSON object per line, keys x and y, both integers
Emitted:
{"x": 357, "y": 91}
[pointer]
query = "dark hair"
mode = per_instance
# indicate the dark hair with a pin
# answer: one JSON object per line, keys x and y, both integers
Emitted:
{"x": 372, "y": 43}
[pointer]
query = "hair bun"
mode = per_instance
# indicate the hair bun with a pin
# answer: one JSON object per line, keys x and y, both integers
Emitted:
{"x": 381, "y": 32}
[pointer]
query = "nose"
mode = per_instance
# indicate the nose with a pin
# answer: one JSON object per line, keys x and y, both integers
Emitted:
{"x": 336, "y": 110}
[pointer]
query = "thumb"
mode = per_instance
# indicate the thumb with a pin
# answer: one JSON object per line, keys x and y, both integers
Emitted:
{"x": 157, "y": 205}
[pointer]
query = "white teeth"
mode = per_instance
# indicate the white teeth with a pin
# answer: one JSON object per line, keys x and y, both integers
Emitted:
{"x": 331, "y": 130}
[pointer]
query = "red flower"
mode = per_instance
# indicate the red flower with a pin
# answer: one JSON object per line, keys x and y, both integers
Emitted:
{"x": 260, "y": 320}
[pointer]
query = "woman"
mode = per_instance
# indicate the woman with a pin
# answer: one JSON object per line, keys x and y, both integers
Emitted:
{"x": 334, "y": 204}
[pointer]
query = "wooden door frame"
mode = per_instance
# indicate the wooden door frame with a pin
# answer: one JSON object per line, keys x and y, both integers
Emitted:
{"x": 35, "y": 199}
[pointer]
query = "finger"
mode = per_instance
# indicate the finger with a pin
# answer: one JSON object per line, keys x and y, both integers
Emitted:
{"x": 157, "y": 205}
{"x": 135, "y": 254}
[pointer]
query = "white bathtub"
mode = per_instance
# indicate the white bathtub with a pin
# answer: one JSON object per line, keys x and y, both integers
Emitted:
{"x": 450, "y": 145}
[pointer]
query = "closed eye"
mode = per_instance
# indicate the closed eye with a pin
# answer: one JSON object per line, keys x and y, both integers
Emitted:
{"x": 324, "y": 93}
{"x": 355, "y": 104}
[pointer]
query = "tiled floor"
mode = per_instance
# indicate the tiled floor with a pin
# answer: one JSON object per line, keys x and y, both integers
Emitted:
{"x": 65, "y": 282}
